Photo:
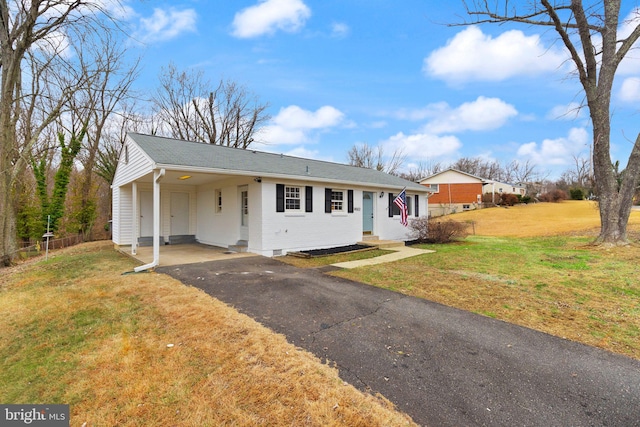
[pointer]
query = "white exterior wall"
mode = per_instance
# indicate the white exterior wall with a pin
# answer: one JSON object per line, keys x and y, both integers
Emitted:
{"x": 295, "y": 231}
{"x": 122, "y": 224}
{"x": 388, "y": 228}
{"x": 223, "y": 228}
{"x": 502, "y": 187}
{"x": 450, "y": 177}
{"x": 138, "y": 165}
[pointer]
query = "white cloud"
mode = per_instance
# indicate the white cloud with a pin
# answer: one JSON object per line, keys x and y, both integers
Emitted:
{"x": 567, "y": 112}
{"x": 474, "y": 56}
{"x": 294, "y": 125}
{"x": 166, "y": 24}
{"x": 270, "y": 15}
{"x": 481, "y": 114}
{"x": 339, "y": 30}
{"x": 630, "y": 90}
{"x": 555, "y": 151}
{"x": 422, "y": 145}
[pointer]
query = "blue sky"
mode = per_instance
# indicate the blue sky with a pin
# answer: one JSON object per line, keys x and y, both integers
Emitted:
{"x": 390, "y": 74}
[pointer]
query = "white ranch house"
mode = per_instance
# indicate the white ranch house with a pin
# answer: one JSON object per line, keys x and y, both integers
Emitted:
{"x": 168, "y": 191}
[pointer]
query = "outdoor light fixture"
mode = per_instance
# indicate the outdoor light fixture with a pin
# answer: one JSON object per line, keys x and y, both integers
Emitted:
{"x": 183, "y": 177}
{"x": 381, "y": 194}
{"x": 258, "y": 179}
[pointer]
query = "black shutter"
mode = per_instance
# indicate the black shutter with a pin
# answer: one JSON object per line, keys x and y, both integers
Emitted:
{"x": 308, "y": 199}
{"x": 350, "y": 201}
{"x": 415, "y": 209}
{"x": 391, "y": 205}
{"x": 279, "y": 197}
{"x": 327, "y": 200}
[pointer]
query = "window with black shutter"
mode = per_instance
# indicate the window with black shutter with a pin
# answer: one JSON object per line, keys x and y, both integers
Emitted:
{"x": 327, "y": 200}
{"x": 308, "y": 199}
{"x": 279, "y": 197}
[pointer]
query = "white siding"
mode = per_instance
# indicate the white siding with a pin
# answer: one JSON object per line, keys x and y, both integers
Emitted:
{"x": 122, "y": 216}
{"x": 307, "y": 230}
{"x": 138, "y": 165}
{"x": 451, "y": 177}
{"x": 221, "y": 229}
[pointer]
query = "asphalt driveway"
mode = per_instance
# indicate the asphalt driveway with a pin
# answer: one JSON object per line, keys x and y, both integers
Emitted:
{"x": 442, "y": 366}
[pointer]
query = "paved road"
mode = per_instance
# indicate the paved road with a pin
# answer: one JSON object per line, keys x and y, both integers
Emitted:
{"x": 442, "y": 366}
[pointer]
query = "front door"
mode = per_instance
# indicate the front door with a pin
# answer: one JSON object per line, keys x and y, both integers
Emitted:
{"x": 146, "y": 214}
{"x": 367, "y": 212}
{"x": 179, "y": 214}
{"x": 244, "y": 213}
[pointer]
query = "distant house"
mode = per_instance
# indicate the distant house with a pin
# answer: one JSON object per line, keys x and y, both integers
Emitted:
{"x": 453, "y": 191}
{"x": 491, "y": 186}
{"x": 167, "y": 191}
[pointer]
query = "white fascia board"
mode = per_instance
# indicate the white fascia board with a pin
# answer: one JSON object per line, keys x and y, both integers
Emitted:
{"x": 282, "y": 177}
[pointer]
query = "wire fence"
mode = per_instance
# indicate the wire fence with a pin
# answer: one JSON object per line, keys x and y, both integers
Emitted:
{"x": 38, "y": 247}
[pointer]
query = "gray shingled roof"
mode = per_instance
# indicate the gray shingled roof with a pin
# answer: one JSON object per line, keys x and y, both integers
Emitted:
{"x": 173, "y": 152}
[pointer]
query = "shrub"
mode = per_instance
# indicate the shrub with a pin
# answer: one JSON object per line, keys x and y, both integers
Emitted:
{"x": 507, "y": 199}
{"x": 435, "y": 231}
{"x": 576, "y": 194}
{"x": 554, "y": 196}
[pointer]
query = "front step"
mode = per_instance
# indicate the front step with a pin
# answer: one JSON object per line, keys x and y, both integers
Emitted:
{"x": 183, "y": 239}
{"x": 148, "y": 241}
{"x": 240, "y": 246}
{"x": 381, "y": 244}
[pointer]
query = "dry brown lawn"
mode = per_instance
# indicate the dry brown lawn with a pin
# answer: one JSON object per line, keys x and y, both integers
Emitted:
{"x": 537, "y": 219}
{"x": 146, "y": 350}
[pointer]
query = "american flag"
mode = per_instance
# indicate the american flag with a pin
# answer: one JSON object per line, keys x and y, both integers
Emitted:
{"x": 401, "y": 202}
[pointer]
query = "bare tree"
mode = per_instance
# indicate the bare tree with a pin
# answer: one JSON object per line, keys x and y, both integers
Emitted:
{"x": 479, "y": 167}
{"x": 107, "y": 86}
{"x": 421, "y": 170}
{"x": 596, "y": 64}
{"x": 521, "y": 173}
{"x": 366, "y": 156}
{"x": 580, "y": 174}
{"x": 34, "y": 32}
{"x": 188, "y": 107}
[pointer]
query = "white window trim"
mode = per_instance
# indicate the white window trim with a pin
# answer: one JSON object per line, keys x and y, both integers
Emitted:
{"x": 343, "y": 201}
{"x": 299, "y": 198}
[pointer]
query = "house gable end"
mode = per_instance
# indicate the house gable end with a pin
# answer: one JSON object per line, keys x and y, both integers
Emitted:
{"x": 132, "y": 164}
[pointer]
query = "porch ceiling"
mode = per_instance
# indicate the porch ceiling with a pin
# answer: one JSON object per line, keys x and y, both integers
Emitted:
{"x": 195, "y": 178}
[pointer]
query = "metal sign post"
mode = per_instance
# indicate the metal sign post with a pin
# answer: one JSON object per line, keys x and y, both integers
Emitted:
{"x": 47, "y": 235}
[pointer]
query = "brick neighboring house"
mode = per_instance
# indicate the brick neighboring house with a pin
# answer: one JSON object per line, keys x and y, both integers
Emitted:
{"x": 453, "y": 191}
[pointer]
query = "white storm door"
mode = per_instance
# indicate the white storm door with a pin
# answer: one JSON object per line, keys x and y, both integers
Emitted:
{"x": 244, "y": 213}
{"x": 179, "y": 214}
{"x": 367, "y": 212}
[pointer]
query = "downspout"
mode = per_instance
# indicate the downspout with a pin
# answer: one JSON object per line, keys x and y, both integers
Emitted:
{"x": 157, "y": 176}
{"x": 136, "y": 218}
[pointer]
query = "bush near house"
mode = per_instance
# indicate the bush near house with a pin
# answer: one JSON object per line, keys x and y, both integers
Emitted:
{"x": 427, "y": 230}
{"x": 507, "y": 199}
{"x": 554, "y": 196}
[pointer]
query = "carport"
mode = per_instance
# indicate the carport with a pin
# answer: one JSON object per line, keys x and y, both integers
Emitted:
{"x": 183, "y": 254}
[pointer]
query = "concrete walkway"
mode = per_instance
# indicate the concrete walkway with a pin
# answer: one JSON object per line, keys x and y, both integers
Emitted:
{"x": 400, "y": 252}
